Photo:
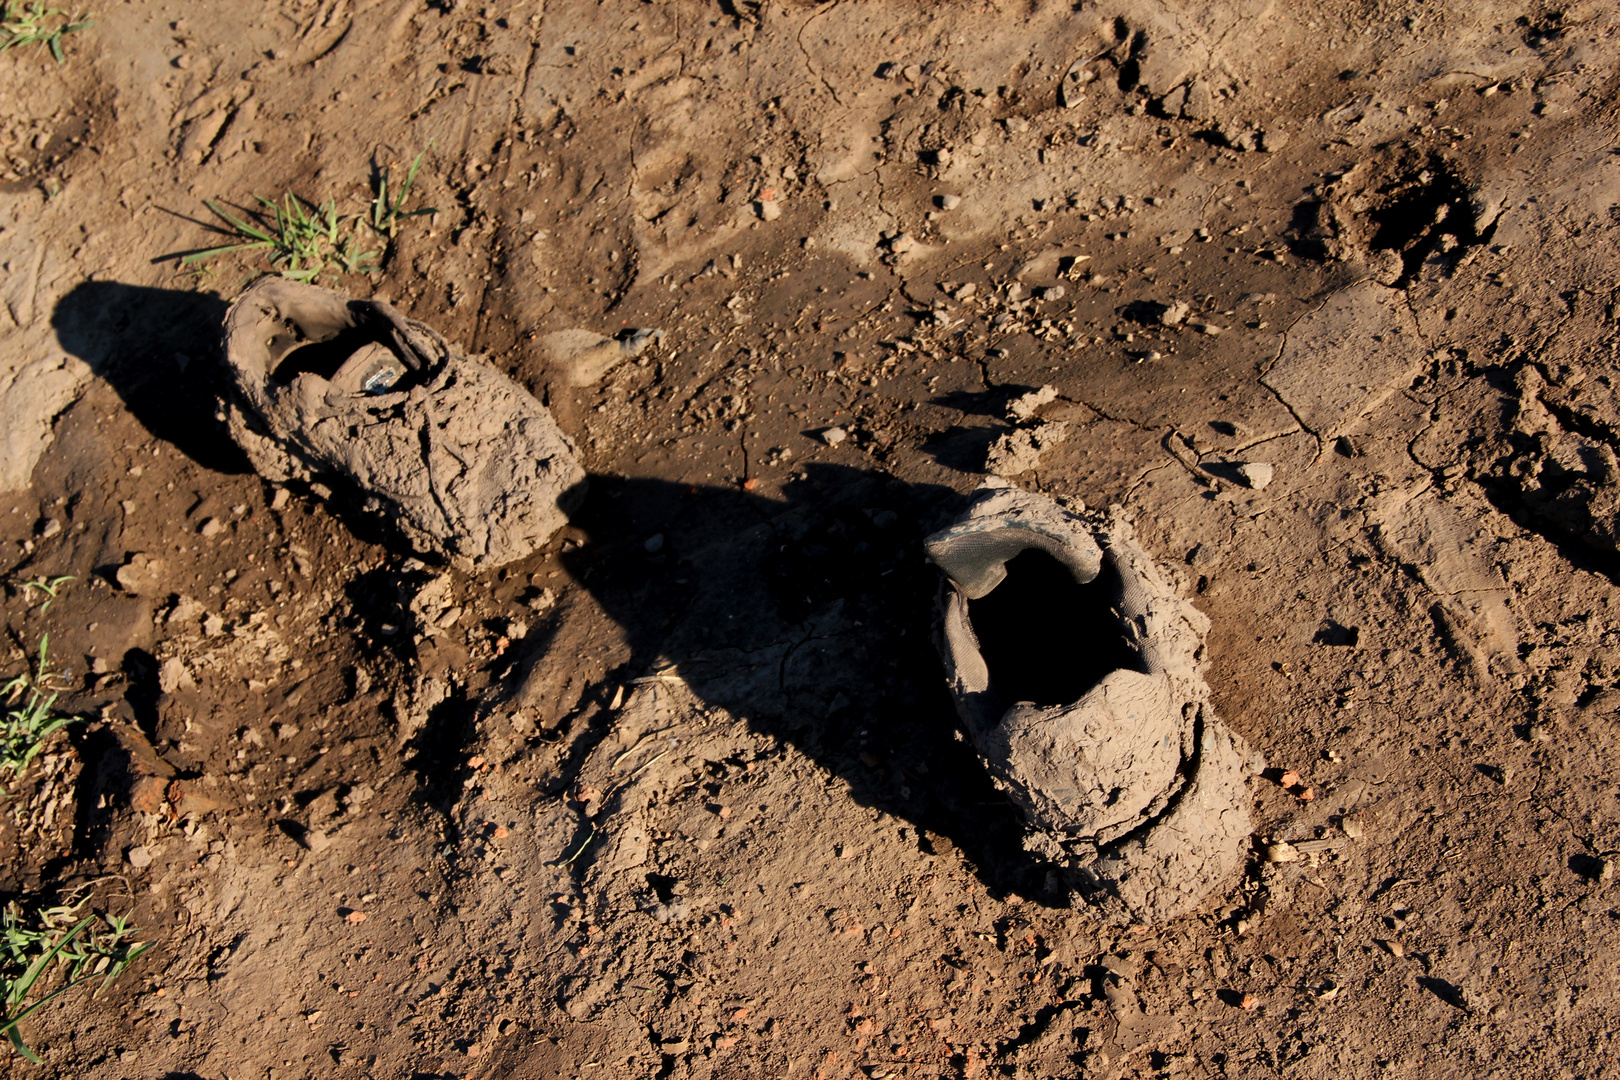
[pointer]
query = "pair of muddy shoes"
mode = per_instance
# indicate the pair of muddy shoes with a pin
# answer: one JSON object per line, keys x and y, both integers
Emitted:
{"x": 1076, "y": 668}
{"x": 461, "y": 460}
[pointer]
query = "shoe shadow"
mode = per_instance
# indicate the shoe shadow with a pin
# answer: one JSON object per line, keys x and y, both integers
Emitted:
{"x": 159, "y": 350}
{"x": 811, "y": 619}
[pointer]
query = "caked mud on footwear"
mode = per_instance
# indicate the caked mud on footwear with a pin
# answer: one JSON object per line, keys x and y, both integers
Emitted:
{"x": 463, "y": 461}
{"x": 1077, "y": 672}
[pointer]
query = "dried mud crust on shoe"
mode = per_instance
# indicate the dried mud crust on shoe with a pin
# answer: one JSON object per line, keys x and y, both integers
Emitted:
{"x": 1076, "y": 669}
{"x": 461, "y": 460}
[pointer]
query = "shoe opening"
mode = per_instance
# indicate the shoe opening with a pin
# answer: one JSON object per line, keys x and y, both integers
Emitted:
{"x": 1047, "y": 638}
{"x": 375, "y": 367}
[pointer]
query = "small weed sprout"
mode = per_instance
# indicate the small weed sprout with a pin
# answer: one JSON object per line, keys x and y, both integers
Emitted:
{"x": 26, "y": 719}
{"x": 387, "y": 212}
{"x": 95, "y": 946}
{"x": 303, "y": 239}
{"x": 49, "y": 588}
{"x": 32, "y": 23}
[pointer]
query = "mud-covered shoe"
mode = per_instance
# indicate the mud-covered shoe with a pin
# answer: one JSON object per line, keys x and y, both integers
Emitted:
{"x": 1076, "y": 668}
{"x": 463, "y": 461}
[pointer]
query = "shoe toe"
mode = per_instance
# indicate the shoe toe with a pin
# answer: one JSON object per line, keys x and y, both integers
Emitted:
{"x": 1097, "y": 764}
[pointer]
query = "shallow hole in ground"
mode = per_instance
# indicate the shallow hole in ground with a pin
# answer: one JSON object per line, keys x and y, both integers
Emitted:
{"x": 1419, "y": 211}
{"x": 1046, "y": 637}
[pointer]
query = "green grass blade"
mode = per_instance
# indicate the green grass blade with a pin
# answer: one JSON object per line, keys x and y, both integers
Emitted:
{"x": 20, "y": 988}
{"x": 16, "y": 1039}
{"x": 241, "y": 226}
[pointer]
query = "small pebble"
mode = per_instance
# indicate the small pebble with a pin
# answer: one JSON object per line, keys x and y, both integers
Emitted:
{"x": 834, "y": 435}
{"x": 211, "y": 528}
{"x": 949, "y": 202}
{"x": 654, "y": 543}
{"x": 139, "y": 858}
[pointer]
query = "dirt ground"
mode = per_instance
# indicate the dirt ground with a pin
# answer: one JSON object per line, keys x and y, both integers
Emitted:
{"x": 683, "y": 795}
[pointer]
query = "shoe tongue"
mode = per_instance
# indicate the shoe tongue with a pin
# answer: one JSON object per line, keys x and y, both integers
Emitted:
{"x": 974, "y": 554}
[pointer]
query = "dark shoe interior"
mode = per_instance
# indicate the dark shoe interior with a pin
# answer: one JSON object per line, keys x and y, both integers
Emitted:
{"x": 1046, "y": 638}
{"x": 323, "y": 358}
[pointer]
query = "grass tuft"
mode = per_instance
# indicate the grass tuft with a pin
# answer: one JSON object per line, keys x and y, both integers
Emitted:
{"x": 26, "y": 717}
{"x": 33, "y": 944}
{"x": 32, "y": 23}
{"x": 303, "y": 239}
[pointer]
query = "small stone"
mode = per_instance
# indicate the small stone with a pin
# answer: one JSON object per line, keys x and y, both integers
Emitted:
{"x": 1017, "y": 124}
{"x": 964, "y": 291}
{"x": 1289, "y": 778}
{"x": 211, "y": 528}
{"x": 1173, "y": 314}
{"x": 1053, "y": 292}
{"x": 911, "y": 73}
{"x": 279, "y": 500}
{"x": 1394, "y": 948}
{"x": 1257, "y": 474}
{"x": 948, "y": 202}
{"x": 654, "y": 543}
{"x": 139, "y": 857}
{"x": 769, "y": 209}
{"x": 1250, "y": 1002}
{"x": 356, "y": 917}
{"x": 1271, "y": 141}
{"x": 47, "y": 528}
{"x": 1205, "y": 328}
{"x": 1352, "y": 827}
{"x": 902, "y": 243}
{"x": 834, "y": 435}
